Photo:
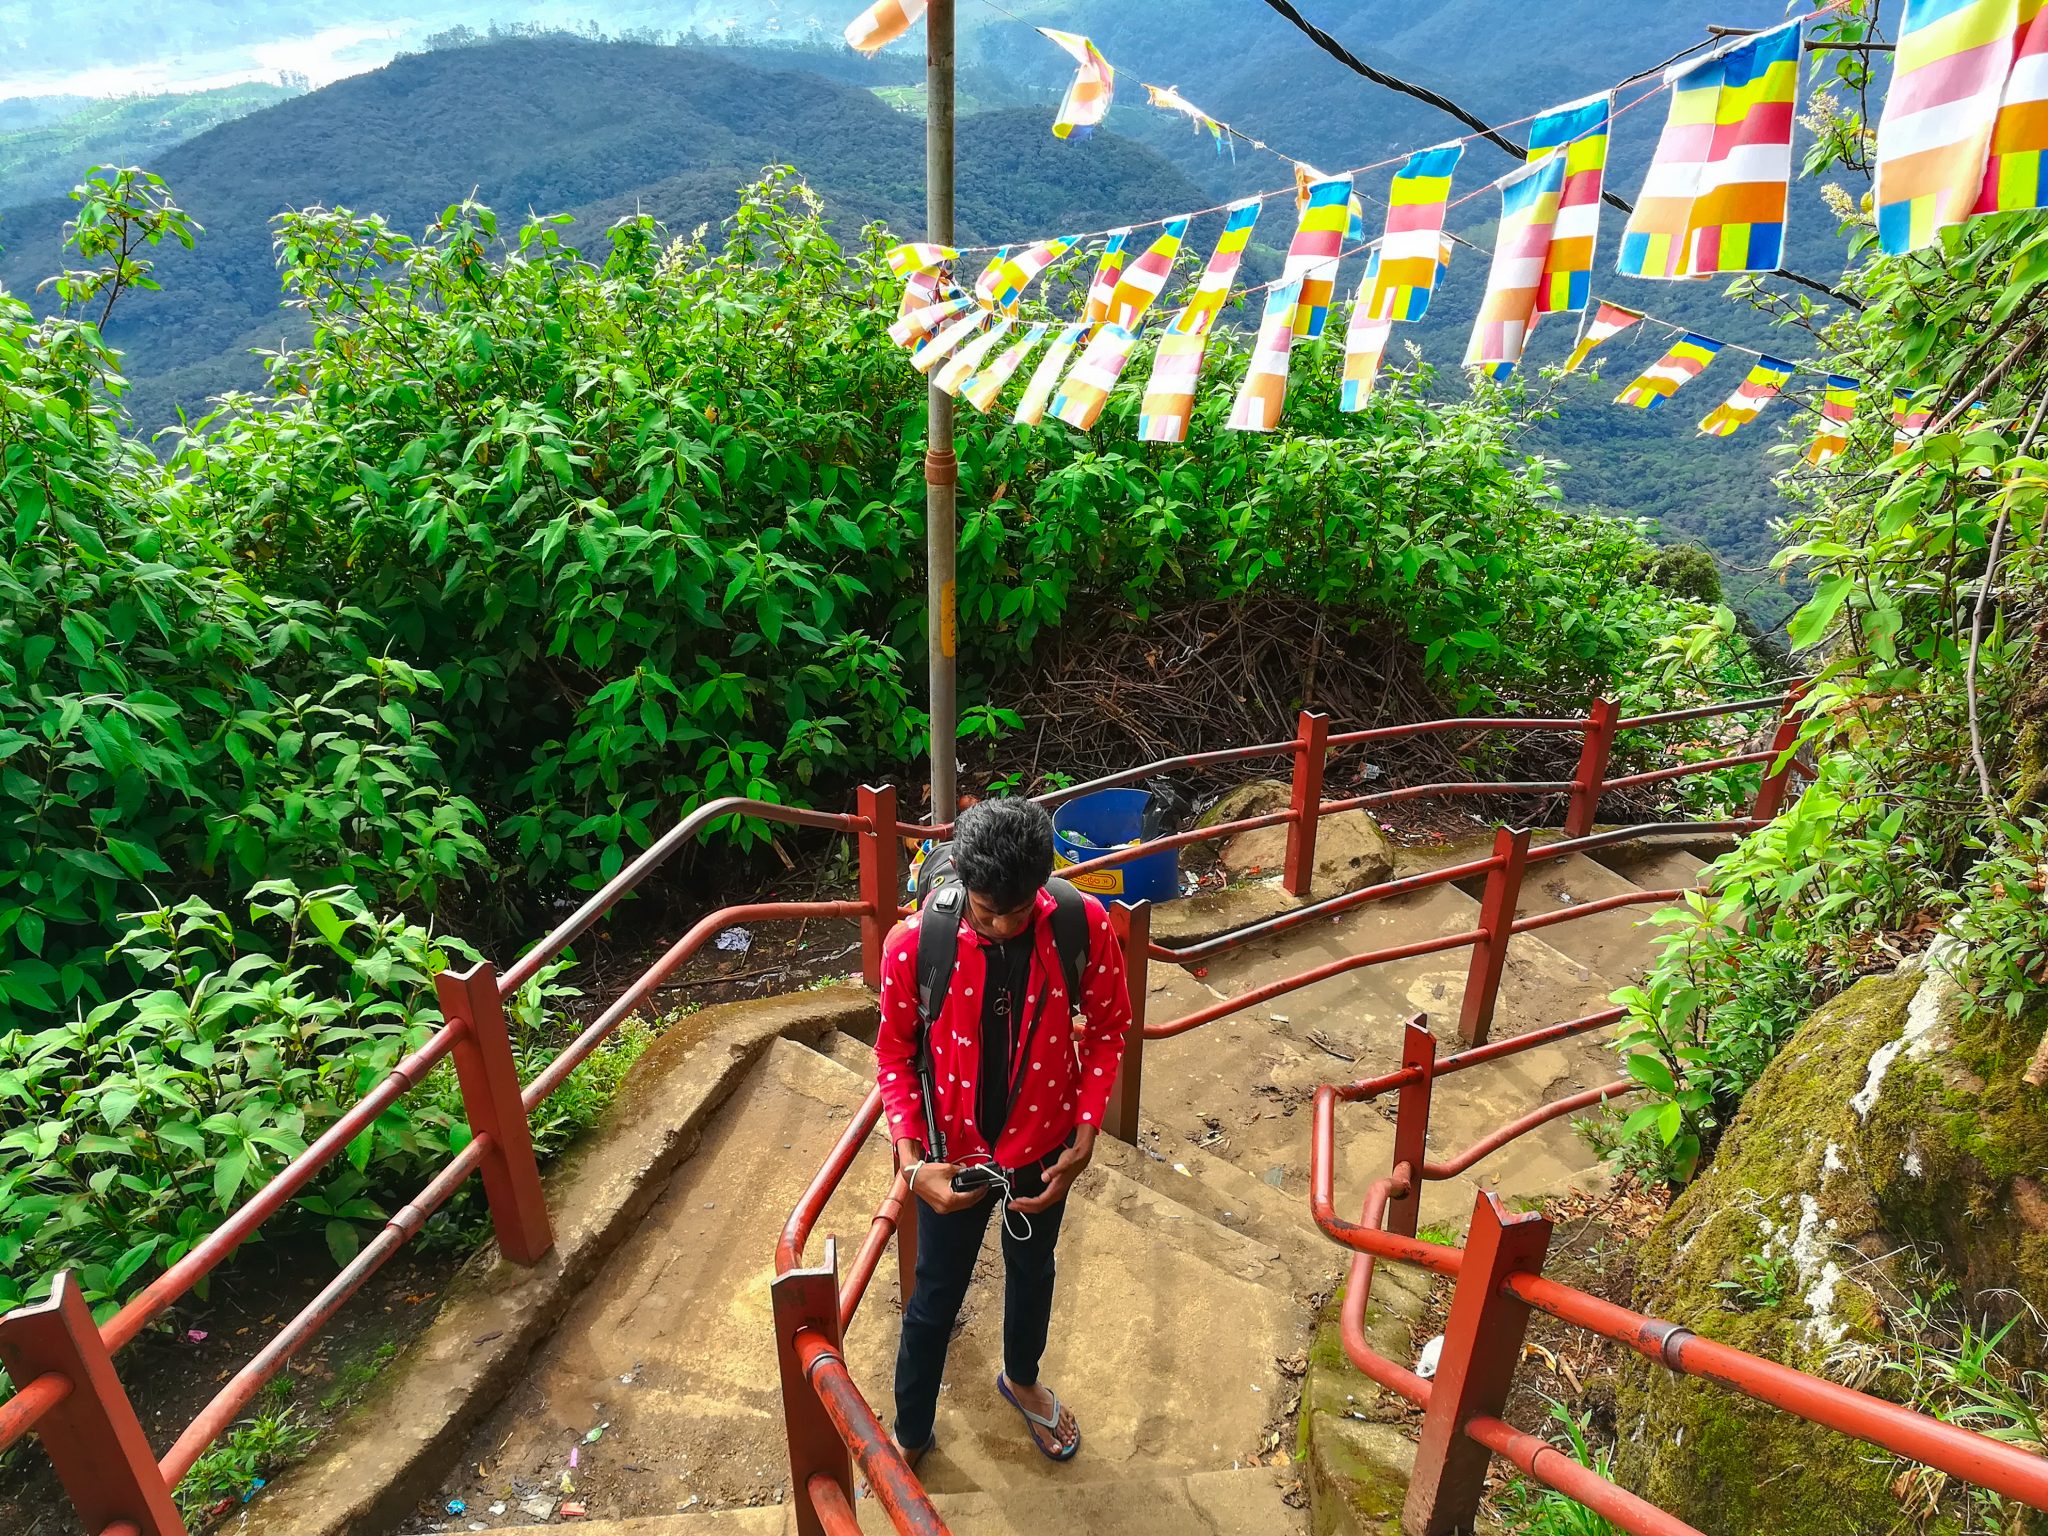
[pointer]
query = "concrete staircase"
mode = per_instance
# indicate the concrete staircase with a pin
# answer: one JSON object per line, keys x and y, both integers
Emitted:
{"x": 1193, "y": 1283}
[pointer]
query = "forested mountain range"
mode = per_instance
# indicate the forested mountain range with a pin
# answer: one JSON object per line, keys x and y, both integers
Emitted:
{"x": 599, "y": 130}
{"x": 594, "y": 130}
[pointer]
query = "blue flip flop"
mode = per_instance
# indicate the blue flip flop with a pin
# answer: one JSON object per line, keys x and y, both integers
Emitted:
{"x": 1053, "y": 1423}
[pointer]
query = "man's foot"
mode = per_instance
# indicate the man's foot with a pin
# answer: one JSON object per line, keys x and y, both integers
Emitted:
{"x": 912, "y": 1457}
{"x": 1052, "y": 1425}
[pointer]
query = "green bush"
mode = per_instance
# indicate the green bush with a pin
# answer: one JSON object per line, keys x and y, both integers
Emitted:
{"x": 128, "y": 1134}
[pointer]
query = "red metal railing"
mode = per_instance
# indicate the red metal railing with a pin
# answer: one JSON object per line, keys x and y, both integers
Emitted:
{"x": 1499, "y": 1282}
{"x": 73, "y": 1399}
{"x": 813, "y": 1306}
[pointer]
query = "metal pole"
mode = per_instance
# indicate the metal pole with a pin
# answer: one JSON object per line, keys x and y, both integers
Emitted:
{"x": 941, "y": 468}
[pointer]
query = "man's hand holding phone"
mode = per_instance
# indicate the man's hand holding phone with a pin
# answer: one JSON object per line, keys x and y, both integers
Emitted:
{"x": 933, "y": 1183}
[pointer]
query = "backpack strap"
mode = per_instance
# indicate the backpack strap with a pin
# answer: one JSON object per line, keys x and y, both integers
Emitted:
{"x": 938, "y": 946}
{"x": 1070, "y": 934}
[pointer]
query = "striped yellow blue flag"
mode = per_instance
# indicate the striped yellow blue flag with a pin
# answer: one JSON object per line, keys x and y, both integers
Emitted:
{"x": 1714, "y": 197}
{"x": 1837, "y": 410}
{"x": 1966, "y": 119}
{"x": 1528, "y": 222}
{"x": 1170, "y": 392}
{"x": 1086, "y": 390}
{"x": 1003, "y": 280}
{"x": 986, "y": 382}
{"x": 1264, "y": 391}
{"x": 1313, "y": 257}
{"x": 1365, "y": 343}
{"x": 1214, "y": 288}
{"x": 1609, "y": 322}
{"x": 1089, "y": 93}
{"x": 1579, "y": 133}
{"x": 1751, "y": 396}
{"x": 1144, "y": 278}
{"x": 1662, "y": 379}
{"x": 1415, "y": 219}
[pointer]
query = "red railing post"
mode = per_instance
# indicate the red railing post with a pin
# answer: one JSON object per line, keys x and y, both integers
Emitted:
{"x": 881, "y": 876}
{"x": 1131, "y": 922}
{"x": 1311, "y": 749}
{"x": 488, "y": 1074}
{"x": 1482, "y": 1344}
{"x": 92, "y": 1436}
{"x": 1770, "y": 795}
{"x": 1411, "y": 1124}
{"x": 1496, "y": 922}
{"x": 1591, "y": 778}
{"x": 807, "y": 1300}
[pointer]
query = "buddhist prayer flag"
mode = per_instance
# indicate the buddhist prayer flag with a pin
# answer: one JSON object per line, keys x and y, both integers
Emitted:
{"x": 2013, "y": 178}
{"x": 1107, "y": 270}
{"x": 986, "y": 383}
{"x": 1145, "y": 277}
{"x": 1311, "y": 269}
{"x": 1170, "y": 392}
{"x": 1080, "y": 400}
{"x": 1966, "y": 121}
{"x": 1365, "y": 343}
{"x": 1578, "y": 133}
{"x": 882, "y": 23}
{"x": 948, "y": 337}
{"x": 1264, "y": 390}
{"x": 918, "y": 256}
{"x": 1687, "y": 360}
{"x": 1200, "y": 311}
{"x": 1410, "y": 251}
{"x": 1714, "y": 198}
{"x": 1031, "y": 408}
{"x": 1751, "y": 395}
{"x": 963, "y": 364}
{"x": 1003, "y": 281}
{"x": 1910, "y": 415}
{"x": 1837, "y": 410}
{"x": 911, "y": 330}
{"x": 1171, "y": 100}
{"x": 1528, "y": 221}
{"x": 1609, "y": 322}
{"x": 1089, "y": 94}
{"x": 920, "y": 293}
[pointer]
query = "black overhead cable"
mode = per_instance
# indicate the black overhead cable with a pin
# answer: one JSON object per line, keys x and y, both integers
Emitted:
{"x": 1354, "y": 63}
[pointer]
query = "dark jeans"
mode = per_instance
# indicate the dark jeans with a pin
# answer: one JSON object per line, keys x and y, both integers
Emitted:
{"x": 947, "y": 1246}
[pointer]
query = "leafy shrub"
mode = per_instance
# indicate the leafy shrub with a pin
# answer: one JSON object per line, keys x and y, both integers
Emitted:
{"x": 128, "y": 1135}
{"x": 162, "y": 718}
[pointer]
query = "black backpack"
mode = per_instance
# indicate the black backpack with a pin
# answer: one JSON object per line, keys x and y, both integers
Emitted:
{"x": 942, "y": 906}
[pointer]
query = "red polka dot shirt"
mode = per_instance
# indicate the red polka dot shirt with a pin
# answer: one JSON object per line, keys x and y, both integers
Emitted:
{"x": 1066, "y": 1081}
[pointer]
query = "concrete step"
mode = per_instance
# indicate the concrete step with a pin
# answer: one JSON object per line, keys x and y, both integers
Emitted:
{"x": 1659, "y": 865}
{"x": 1246, "y": 1502}
{"x": 1615, "y": 947}
{"x": 851, "y": 1052}
{"x": 1166, "y": 1340}
{"x": 1241, "y": 1087}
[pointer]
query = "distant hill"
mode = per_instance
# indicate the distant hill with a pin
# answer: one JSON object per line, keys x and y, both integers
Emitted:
{"x": 591, "y": 129}
{"x": 44, "y": 157}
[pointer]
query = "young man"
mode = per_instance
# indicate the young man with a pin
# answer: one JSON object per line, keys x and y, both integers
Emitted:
{"x": 1016, "y": 1085}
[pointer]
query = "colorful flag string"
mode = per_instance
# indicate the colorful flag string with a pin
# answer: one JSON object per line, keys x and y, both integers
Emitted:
{"x": 1766, "y": 378}
{"x": 1686, "y": 361}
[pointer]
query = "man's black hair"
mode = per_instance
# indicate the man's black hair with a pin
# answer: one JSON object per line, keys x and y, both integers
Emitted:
{"x": 1003, "y": 851}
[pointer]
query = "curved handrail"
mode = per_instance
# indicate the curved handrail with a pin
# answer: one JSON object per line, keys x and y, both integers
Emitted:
{"x": 1960, "y": 1453}
{"x": 656, "y": 854}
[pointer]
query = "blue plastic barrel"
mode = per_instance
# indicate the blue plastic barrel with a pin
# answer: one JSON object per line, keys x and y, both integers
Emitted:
{"x": 1104, "y": 821}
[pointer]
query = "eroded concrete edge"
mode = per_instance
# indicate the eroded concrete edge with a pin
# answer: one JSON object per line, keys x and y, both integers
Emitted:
{"x": 391, "y": 1451}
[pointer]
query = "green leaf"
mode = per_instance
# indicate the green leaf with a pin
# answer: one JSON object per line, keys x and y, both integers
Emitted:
{"x": 1651, "y": 1072}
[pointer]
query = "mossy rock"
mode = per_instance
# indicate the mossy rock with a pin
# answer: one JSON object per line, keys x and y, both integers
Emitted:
{"x": 1357, "y": 1461}
{"x": 1886, "y": 1140}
